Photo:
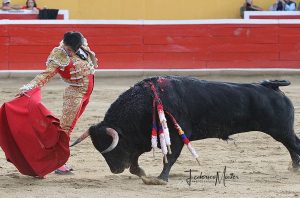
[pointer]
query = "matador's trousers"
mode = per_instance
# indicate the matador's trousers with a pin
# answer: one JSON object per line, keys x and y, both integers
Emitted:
{"x": 75, "y": 100}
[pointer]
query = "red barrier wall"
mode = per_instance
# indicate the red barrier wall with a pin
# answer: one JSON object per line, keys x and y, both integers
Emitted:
{"x": 186, "y": 46}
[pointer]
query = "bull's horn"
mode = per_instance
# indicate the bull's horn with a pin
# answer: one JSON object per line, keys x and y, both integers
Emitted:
{"x": 82, "y": 137}
{"x": 114, "y": 143}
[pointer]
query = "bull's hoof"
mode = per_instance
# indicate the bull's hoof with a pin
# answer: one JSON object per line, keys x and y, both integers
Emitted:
{"x": 138, "y": 171}
{"x": 153, "y": 181}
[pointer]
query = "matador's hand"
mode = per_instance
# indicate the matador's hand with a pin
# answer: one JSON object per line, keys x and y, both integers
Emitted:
{"x": 24, "y": 89}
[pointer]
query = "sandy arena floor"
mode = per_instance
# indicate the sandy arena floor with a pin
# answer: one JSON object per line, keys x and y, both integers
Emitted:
{"x": 259, "y": 163}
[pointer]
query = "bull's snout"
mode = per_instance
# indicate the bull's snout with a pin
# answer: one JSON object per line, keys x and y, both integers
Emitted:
{"x": 117, "y": 171}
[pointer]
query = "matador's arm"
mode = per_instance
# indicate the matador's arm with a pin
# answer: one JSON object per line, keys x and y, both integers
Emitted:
{"x": 58, "y": 59}
{"x": 42, "y": 78}
{"x": 94, "y": 60}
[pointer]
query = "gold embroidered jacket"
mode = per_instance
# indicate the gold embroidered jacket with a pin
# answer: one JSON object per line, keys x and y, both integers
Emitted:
{"x": 72, "y": 69}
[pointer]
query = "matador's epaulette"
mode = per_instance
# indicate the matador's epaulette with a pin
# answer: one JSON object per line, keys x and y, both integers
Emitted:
{"x": 59, "y": 56}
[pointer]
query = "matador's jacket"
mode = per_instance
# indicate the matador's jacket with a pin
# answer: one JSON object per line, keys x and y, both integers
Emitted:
{"x": 77, "y": 73}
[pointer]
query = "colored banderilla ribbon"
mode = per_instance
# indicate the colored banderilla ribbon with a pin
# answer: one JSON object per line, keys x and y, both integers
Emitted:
{"x": 163, "y": 130}
{"x": 185, "y": 140}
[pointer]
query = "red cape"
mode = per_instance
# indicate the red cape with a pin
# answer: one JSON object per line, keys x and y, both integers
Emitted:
{"x": 31, "y": 136}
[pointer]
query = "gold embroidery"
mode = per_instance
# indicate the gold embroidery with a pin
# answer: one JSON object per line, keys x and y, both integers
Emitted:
{"x": 59, "y": 59}
{"x": 42, "y": 78}
{"x": 72, "y": 100}
{"x": 59, "y": 56}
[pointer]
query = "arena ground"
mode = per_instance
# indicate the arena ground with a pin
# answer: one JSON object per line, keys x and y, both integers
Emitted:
{"x": 259, "y": 165}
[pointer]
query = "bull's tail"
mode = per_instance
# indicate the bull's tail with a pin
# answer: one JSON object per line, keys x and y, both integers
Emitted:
{"x": 81, "y": 138}
{"x": 275, "y": 84}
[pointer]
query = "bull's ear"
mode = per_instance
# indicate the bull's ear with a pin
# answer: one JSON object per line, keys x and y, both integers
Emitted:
{"x": 115, "y": 139}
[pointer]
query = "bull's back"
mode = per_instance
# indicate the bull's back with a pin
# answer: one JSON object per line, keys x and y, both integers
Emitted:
{"x": 219, "y": 109}
{"x": 213, "y": 109}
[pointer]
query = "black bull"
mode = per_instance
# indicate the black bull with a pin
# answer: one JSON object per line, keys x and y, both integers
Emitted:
{"x": 203, "y": 109}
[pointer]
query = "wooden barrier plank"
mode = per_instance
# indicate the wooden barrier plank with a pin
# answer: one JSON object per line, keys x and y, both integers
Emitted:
{"x": 290, "y": 56}
{"x": 159, "y": 46}
{"x": 3, "y": 66}
{"x": 30, "y": 58}
{"x": 255, "y": 39}
{"x": 225, "y": 56}
{"x": 168, "y": 39}
{"x": 38, "y": 30}
{"x": 37, "y": 40}
{"x": 30, "y": 49}
{"x": 116, "y": 40}
{"x": 228, "y": 47}
{"x": 289, "y": 47}
{"x": 3, "y": 30}
{"x": 59, "y": 30}
{"x": 288, "y": 29}
{"x": 117, "y": 49}
{"x": 175, "y": 48}
{"x": 289, "y": 38}
{"x": 4, "y": 40}
{"x": 242, "y": 30}
{"x": 109, "y": 30}
{"x": 176, "y": 30}
{"x": 120, "y": 60}
{"x": 4, "y": 55}
{"x": 252, "y": 64}
{"x": 173, "y": 65}
{"x": 175, "y": 60}
{"x": 26, "y": 66}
